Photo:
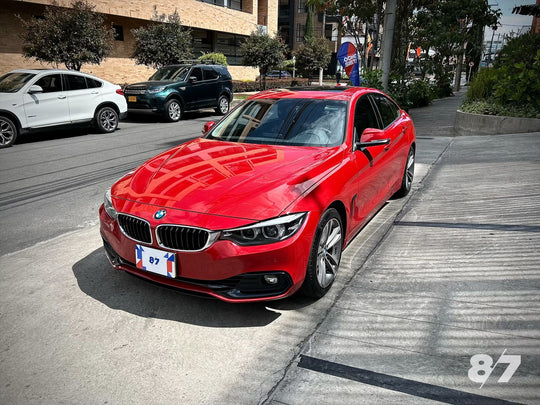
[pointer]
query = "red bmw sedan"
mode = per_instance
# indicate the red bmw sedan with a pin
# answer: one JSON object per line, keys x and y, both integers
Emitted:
{"x": 262, "y": 205}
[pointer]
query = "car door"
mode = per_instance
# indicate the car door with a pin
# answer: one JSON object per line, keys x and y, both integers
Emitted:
{"x": 395, "y": 127}
{"x": 369, "y": 162}
{"x": 82, "y": 97}
{"x": 194, "y": 96}
{"x": 49, "y": 107}
{"x": 211, "y": 90}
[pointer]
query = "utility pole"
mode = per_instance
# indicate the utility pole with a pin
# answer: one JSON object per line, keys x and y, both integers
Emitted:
{"x": 389, "y": 22}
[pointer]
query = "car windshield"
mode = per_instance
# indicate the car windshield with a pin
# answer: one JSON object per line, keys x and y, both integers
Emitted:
{"x": 13, "y": 82}
{"x": 166, "y": 73}
{"x": 287, "y": 121}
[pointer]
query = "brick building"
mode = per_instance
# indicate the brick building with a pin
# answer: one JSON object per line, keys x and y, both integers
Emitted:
{"x": 216, "y": 26}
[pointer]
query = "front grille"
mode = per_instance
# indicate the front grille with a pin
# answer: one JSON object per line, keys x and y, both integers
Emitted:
{"x": 181, "y": 237}
{"x": 135, "y": 228}
{"x": 134, "y": 91}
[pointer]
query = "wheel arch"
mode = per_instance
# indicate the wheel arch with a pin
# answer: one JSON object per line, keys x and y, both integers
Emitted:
{"x": 12, "y": 117}
{"x": 107, "y": 104}
{"x": 342, "y": 211}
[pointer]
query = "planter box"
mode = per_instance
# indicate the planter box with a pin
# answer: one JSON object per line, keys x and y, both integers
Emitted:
{"x": 477, "y": 124}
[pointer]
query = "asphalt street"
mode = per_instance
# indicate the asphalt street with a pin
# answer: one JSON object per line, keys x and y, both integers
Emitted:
{"x": 448, "y": 273}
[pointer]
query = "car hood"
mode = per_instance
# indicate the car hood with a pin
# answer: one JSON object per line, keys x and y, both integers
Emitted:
{"x": 154, "y": 83}
{"x": 246, "y": 181}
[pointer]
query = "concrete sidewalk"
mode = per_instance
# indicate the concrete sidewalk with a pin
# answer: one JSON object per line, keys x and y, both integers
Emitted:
{"x": 458, "y": 275}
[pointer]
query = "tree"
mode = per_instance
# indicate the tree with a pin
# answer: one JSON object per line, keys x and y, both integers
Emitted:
{"x": 165, "y": 42}
{"x": 312, "y": 55}
{"x": 73, "y": 36}
{"x": 214, "y": 57}
{"x": 262, "y": 51}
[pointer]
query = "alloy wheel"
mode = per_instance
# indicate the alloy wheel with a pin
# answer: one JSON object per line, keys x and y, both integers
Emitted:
{"x": 329, "y": 253}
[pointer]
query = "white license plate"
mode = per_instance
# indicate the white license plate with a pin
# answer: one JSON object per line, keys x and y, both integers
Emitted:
{"x": 156, "y": 261}
{"x": 132, "y": 99}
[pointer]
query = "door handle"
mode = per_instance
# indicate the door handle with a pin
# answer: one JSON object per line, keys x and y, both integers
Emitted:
{"x": 95, "y": 92}
{"x": 61, "y": 97}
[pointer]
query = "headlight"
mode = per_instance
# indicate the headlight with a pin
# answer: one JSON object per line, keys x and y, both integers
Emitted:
{"x": 153, "y": 90}
{"x": 270, "y": 231}
{"x": 109, "y": 205}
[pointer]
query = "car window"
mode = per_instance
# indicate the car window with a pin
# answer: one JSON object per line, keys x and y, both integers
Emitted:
{"x": 50, "y": 83}
{"x": 223, "y": 71}
{"x": 388, "y": 110}
{"x": 92, "y": 83}
{"x": 13, "y": 82}
{"x": 209, "y": 73}
{"x": 298, "y": 122}
{"x": 364, "y": 116}
{"x": 75, "y": 82}
{"x": 197, "y": 72}
{"x": 177, "y": 73}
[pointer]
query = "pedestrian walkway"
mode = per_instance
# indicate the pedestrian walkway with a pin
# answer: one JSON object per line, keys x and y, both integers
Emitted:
{"x": 453, "y": 288}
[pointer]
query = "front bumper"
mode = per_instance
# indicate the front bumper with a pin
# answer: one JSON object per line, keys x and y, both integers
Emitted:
{"x": 224, "y": 270}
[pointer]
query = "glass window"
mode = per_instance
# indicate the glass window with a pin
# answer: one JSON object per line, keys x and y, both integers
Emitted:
{"x": 209, "y": 73}
{"x": 293, "y": 121}
{"x": 364, "y": 116}
{"x": 13, "y": 82}
{"x": 197, "y": 72}
{"x": 50, "y": 83}
{"x": 75, "y": 82}
{"x": 177, "y": 73}
{"x": 388, "y": 110}
{"x": 92, "y": 83}
{"x": 118, "y": 32}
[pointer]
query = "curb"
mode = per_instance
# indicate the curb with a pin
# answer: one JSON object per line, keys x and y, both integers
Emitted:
{"x": 478, "y": 124}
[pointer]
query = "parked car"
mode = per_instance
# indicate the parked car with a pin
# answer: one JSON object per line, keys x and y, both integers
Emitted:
{"x": 263, "y": 204}
{"x": 277, "y": 74}
{"x": 34, "y": 99}
{"x": 174, "y": 89}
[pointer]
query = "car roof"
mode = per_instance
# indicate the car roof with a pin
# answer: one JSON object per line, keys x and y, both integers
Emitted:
{"x": 334, "y": 93}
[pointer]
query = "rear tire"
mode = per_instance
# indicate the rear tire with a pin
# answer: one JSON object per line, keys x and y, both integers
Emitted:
{"x": 8, "y": 132}
{"x": 325, "y": 255}
{"x": 408, "y": 175}
{"x": 223, "y": 105}
{"x": 173, "y": 111}
{"x": 106, "y": 120}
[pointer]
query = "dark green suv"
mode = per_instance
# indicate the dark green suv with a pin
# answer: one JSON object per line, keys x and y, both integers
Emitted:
{"x": 174, "y": 89}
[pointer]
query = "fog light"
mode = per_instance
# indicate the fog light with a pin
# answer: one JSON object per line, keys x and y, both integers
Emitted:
{"x": 271, "y": 279}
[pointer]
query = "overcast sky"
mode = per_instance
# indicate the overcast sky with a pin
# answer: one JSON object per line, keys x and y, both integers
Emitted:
{"x": 509, "y": 22}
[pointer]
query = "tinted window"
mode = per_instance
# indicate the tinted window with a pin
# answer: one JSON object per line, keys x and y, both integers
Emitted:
{"x": 92, "y": 83}
{"x": 209, "y": 73}
{"x": 389, "y": 111}
{"x": 50, "y": 83}
{"x": 223, "y": 71}
{"x": 197, "y": 72}
{"x": 75, "y": 82}
{"x": 364, "y": 116}
{"x": 299, "y": 122}
{"x": 170, "y": 73}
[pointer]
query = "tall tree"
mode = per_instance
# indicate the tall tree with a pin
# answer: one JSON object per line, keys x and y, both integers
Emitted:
{"x": 165, "y": 42}
{"x": 312, "y": 55}
{"x": 262, "y": 51}
{"x": 72, "y": 36}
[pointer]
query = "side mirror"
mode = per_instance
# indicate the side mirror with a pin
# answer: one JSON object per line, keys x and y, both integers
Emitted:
{"x": 208, "y": 126}
{"x": 192, "y": 79}
{"x": 372, "y": 137}
{"x": 35, "y": 89}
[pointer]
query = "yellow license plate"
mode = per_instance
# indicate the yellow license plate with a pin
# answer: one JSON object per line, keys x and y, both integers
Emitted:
{"x": 132, "y": 99}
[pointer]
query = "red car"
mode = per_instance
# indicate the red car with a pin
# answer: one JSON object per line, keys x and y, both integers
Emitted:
{"x": 263, "y": 204}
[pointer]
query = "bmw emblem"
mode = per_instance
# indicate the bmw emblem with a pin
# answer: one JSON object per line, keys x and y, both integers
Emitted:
{"x": 160, "y": 214}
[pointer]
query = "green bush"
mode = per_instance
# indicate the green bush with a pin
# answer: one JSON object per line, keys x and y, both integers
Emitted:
{"x": 214, "y": 57}
{"x": 241, "y": 86}
{"x": 483, "y": 85}
{"x": 373, "y": 79}
{"x": 419, "y": 93}
{"x": 491, "y": 107}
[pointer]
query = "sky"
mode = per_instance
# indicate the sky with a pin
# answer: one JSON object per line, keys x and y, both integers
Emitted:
{"x": 509, "y": 22}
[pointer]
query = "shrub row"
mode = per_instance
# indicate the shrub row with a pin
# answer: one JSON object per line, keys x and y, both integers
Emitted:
{"x": 241, "y": 86}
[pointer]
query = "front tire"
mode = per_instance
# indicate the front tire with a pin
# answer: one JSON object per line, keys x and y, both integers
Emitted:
{"x": 325, "y": 255}
{"x": 173, "y": 111}
{"x": 408, "y": 175}
{"x": 223, "y": 105}
{"x": 8, "y": 132}
{"x": 106, "y": 120}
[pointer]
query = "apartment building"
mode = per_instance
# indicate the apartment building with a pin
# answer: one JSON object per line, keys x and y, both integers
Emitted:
{"x": 216, "y": 26}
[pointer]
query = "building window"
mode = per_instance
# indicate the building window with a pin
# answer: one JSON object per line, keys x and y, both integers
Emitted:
{"x": 118, "y": 32}
{"x": 301, "y": 6}
{"x": 300, "y": 28}
{"x": 233, "y": 4}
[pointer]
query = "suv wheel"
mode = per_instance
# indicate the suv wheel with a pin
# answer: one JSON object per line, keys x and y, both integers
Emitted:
{"x": 223, "y": 105}
{"x": 106, "y": 119}
{"x": 173, "y": 111}
{"x": 8, "y": 132}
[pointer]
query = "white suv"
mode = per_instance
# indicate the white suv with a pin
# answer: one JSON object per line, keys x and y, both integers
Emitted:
{"x": 32, "y": 99}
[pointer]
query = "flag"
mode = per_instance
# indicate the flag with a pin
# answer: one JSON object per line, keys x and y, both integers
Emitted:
{"x": 418, "y": 51}
{"x": 348, "y": 57}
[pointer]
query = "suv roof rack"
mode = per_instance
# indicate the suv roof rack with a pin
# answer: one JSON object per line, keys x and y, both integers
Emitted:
{"x": 198, "y": 62}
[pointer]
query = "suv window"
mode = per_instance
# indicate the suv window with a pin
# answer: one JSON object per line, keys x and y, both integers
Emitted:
{"x": 75, "y": 82}
{"x": 92, "y": 83}
{"x": 197, "y": 72}
{"x": 50, "y": 83}
{"x": 209, "y": 73}
{"x": 364, "y": 116}
{"x": 389, "y": 111}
